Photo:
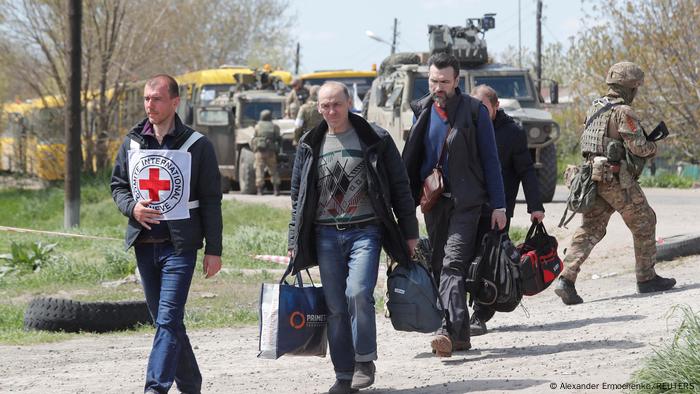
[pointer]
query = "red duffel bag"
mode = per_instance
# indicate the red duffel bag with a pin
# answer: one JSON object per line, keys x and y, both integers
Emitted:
{"x": 539, "y": 262}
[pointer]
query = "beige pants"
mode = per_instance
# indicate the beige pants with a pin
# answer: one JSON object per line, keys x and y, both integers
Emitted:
{"x": 634, "y": 208}
{"x": 266, "y": 159}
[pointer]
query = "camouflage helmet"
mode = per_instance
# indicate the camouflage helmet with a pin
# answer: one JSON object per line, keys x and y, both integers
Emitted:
{"x": 266, "y": 114}
{"x": 626, "y": 74}
{"x": 313, "y": 92}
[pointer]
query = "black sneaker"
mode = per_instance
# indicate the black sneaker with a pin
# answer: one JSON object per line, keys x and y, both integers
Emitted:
{"x": 656, "y": 284}
{"x": 476, "y": 326}
{"x": 342, "y": 387}
{"x": 567, "y": 292}
{"x": 364, "y": 375}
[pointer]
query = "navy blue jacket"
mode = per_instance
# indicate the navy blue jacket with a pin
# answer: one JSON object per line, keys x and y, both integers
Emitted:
{"x": 470, "y": 145}
{"x": 516, "y": 163}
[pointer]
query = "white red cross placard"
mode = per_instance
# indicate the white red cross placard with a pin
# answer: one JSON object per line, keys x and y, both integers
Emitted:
{"x": 161, "y": 176}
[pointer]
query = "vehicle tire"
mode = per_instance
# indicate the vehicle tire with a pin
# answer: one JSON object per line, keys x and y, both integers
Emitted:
{"x": 547, "y": 174}
{"x": 225, "y": 184}
{"x": 57, "y": 314}
{"x": 677, "y": 246}
{"x": 246, "y": 171}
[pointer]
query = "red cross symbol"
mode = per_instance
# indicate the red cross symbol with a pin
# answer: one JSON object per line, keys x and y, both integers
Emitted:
{"x": 154, "y": 184}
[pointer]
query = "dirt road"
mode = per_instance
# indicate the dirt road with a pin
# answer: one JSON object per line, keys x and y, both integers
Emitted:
{"x": 584, "y": 348}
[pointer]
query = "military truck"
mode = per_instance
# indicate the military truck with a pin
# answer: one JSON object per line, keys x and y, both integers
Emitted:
{"x": 403, "y": 78}
{"x": 225, "y": 105}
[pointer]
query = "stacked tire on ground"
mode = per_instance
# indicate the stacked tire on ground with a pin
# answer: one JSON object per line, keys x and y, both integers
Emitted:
{"x": 57, "y": 314}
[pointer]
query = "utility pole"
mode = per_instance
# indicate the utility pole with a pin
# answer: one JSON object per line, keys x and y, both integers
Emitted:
{"x": 73, "y": 159}
{"x": 520, "y": 44}
{"x": 539, "y": 46}
{"x": 394, "y": 36}
{"x": 296, "y": 60}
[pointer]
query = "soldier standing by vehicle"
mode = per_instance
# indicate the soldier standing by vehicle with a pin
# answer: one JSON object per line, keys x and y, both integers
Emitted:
{"x": 296, "y": 98}
{"x": 266, "y": 143}
{"x": 308, "y": 116}
{"x": 613, "y": 132}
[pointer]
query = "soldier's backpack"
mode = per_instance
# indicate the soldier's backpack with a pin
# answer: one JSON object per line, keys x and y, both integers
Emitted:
{"x": 539, "y": 262}
{"x": 582, "y": 193}
{"x": 493, "y": 277}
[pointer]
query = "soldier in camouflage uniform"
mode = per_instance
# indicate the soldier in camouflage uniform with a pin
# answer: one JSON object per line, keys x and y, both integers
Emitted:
{"x": 296, "y": 98}
{"x": 308, "y": 116}
{"x": 266, "y": 143}
{"x": 613, "y": 130}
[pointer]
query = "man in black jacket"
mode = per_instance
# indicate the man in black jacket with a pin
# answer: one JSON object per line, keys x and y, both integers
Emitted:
{"x": 472, "y": 177}
{"x": 516, "y": 166}
{"x": 350, "y": 198}
{"x": 166, "y": 181}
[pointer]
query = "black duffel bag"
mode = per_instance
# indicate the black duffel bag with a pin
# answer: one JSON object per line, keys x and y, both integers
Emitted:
{"x": 493, "y": 277}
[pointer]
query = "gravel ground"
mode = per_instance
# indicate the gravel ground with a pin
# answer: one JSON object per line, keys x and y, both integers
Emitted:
{"x": 543, "y": 347}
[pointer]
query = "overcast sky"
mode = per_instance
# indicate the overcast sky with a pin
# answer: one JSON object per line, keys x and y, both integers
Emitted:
{"x": 332, "y": 33}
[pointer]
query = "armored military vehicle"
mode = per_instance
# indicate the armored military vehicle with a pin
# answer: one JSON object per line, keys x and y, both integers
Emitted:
{"x": 403, "y": 78}
{"x": 226, "y": 108}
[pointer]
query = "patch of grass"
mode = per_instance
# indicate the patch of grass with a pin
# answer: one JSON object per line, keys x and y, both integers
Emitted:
{"x": 517, "y": 234}
{"x": 666, "y": 180}
{"x": 674, "y": 367}
{"x": 82, "y": 265}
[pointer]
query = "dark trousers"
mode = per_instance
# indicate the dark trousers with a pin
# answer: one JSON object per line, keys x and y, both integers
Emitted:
{"x": 166, "y": 277}
{"x": 452, "y": 231}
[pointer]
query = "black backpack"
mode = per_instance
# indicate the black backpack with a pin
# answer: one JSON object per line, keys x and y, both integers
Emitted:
{"x": 493, "y": 277}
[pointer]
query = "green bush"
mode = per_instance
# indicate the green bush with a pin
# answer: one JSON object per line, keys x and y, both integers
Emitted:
{"x": 674, "y": 367}
{"x": 120, "y": 262}
{"x": 27, "y": 257}
{"x": 666, "y": 180}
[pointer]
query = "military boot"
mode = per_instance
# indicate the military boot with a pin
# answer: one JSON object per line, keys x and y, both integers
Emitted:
{"x": 260, "y": 191}
{"x": 567, "y": 292}
{"x": 656, "y": 284}
{"x": 477, "y": 326}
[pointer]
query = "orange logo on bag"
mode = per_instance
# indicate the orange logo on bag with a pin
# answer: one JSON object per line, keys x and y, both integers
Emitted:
{"x": 297, "y": 320}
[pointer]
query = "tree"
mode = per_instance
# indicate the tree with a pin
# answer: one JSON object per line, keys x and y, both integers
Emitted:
{"x": 126, "y": 41}
{"x": 249, "y": 32}
{"x": 661, "y": 36}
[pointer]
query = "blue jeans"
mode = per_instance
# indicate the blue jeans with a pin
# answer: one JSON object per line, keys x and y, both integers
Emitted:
{"x": 166, "y": 278}
{"x": 349, "y": 262}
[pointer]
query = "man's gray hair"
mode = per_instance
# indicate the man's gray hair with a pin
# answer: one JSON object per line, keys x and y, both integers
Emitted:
{"x": 338, "y": 85}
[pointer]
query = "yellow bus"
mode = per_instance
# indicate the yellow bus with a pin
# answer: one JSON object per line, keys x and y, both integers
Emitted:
{"x": 361, "y": 79}
{"x": 32, "y": 133}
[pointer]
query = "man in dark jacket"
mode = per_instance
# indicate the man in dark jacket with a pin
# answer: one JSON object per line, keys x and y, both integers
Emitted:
{"x": 472, "y": 177}
{"x": 348, "y": 185}
{"x": 516, "y": 166}
{"x": 166, "y": 181}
